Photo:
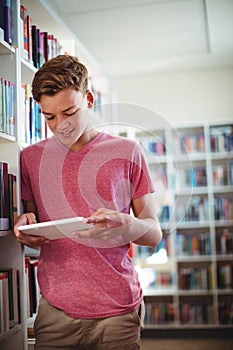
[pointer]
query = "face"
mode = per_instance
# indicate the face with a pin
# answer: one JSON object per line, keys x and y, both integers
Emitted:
{"x": 65, "y": 116}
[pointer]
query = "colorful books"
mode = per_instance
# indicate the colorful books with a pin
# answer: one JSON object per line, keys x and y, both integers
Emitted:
{"x": 32, "y": 123}
{"x": 221, "y": 138}
{"x": 8, "y": 198}
{"x": 37, "y": 46}
{"x": 13, "y": 302}
{"x": 7, "y": 118}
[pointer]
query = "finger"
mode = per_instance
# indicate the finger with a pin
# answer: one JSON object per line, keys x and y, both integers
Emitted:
{"x": 92, "y": 233}
{"x": 31, "y": 240}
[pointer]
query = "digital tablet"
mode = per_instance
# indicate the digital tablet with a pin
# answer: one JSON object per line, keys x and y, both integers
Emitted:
{"x": 56, "y": 229}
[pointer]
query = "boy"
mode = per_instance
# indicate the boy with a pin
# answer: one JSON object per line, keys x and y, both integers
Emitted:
{"x": 90, "y": 294}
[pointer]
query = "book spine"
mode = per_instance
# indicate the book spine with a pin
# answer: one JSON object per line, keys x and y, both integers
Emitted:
{"x": 29, "y": 36}
{"x": 6, "y": 20}
{"x": 4, "y": 197}
{"x": 12, "y": 200}
{"x": 34, "y": 46}
{"x": 4, "y": 301}
{"x": 1, "y": 104}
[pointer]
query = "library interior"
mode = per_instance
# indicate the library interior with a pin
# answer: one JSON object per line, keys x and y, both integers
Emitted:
{"x": 161, "y": 73}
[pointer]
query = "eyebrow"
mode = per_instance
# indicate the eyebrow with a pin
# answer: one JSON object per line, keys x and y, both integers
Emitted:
{"x": 65, "y": 110}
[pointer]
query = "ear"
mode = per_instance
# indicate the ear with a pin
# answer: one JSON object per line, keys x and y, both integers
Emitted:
{"x": 90, "y": 99}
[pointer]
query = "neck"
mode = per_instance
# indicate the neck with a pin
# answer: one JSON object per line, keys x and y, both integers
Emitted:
{"x": 83, "y": 140}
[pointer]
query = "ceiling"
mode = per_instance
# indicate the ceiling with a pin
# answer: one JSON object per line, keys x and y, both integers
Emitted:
{"x": 142, "y": 36}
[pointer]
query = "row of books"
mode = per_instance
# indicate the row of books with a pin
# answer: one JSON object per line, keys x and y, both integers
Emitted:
{"x": 225, "y": 312}
{"x": 223, "y": 174}
{"x": 6, "y": 19}
{"x": 195, "y": 278}
{"x": 153, "y": 145}
{"x": 32, "y": 288}
{"x": 194, "y": 177}
{"x": 150, "y": 279}
{"x": 196, "y": 313}
{"x": 193, "y": 244}
{"x": 164, "y": 214}
{"x": 192, "y": 313}
{"x": 197, "y": 210}
{"x": 166, "y": 313}
{"x": 144, "y": 252}
{"x": 7, "y": 118}
{"x": 32, "y": 124}
{"x": 37, "y": 46}
{"x": 160, "y": 313}
{"x": 221, "y": 139}
{"x": 224, "y": 242}
{"x": 8, "y": 198}
{"x": 189, "y": 143}
{"x": 9, "y": 299}
{"x": 98, "y": 98}
{"x": 163, "y": 279}
{"x": 223, "y": 208}
{"x": 224, "y": 276}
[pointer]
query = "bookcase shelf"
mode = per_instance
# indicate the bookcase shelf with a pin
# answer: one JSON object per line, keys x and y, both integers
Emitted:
{"x": 5, "y": 48}
{"x": 5, "y": 233}
{"x": 6, "y": 137}
{"x": 196, "y": 215}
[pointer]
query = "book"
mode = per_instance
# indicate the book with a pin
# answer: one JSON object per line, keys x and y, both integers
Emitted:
{"x": 12, "y": 200}
{"x": 45, "y": 46}
{"x": 39, "y": 48}
{"x": 3, "y": 115}
{"x": 4, "y": 197}
{"x": 29, "y": 36}
{"x": 27, "y": 287}
{"x": 32, "y": 288}
{"x": 6, "y": 20}
{"x": 5, "y": 317}
{"x": 34, "y": 46}
{"x": 1, "y": 305}
{"x": 1, "y": 104}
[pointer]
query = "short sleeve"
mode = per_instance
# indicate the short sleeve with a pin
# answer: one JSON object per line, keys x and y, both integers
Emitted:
{"x": 140, "y": 175}
{"x": 26, "y": 190}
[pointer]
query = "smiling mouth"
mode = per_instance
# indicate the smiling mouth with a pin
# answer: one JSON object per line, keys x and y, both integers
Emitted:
{"x": 66, "y": 133}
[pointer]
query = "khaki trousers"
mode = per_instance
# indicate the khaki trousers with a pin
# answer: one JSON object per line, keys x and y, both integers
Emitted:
{"x": 55, "y": 330}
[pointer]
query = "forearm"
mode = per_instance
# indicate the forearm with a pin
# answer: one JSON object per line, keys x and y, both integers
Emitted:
{"x": 145, "y": 232}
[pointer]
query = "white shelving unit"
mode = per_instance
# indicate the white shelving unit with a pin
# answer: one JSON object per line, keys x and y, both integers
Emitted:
{"x": 192, "y": 167}
{"x": 15, "y": 68}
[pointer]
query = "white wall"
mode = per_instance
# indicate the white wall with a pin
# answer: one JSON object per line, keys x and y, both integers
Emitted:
{"x": 186, "y": 97}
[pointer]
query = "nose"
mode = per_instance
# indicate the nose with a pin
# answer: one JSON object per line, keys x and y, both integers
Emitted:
{"x": 62, "y": 123}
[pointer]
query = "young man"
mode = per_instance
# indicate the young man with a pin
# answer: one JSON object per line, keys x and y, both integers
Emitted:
{"x": 90, "y": 294}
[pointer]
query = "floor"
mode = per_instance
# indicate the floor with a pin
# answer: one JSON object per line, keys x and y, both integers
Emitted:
{"x": 187, "y": 344}
{"x": 182, "y": 344}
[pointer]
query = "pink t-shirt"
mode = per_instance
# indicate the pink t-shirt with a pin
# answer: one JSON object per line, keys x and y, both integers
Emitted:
{"x": 85, "y": 281}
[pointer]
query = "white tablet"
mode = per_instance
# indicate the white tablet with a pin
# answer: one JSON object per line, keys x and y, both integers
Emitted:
{"x": 56, "y": 229}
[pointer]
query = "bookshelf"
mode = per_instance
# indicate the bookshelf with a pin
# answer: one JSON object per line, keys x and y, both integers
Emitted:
{"x": 16, "y": 72}
{"x": 188, "y": 278}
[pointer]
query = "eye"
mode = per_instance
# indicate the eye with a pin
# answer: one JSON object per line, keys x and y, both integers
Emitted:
{"x": 71, "y": 114}
{"x": 50, "y": 118}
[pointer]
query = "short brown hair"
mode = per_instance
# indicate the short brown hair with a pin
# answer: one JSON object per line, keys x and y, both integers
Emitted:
{"x": 59, "y": 73}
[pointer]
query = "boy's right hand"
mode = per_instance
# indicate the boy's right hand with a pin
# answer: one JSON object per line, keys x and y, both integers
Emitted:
{"x": 31, "y": 241}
